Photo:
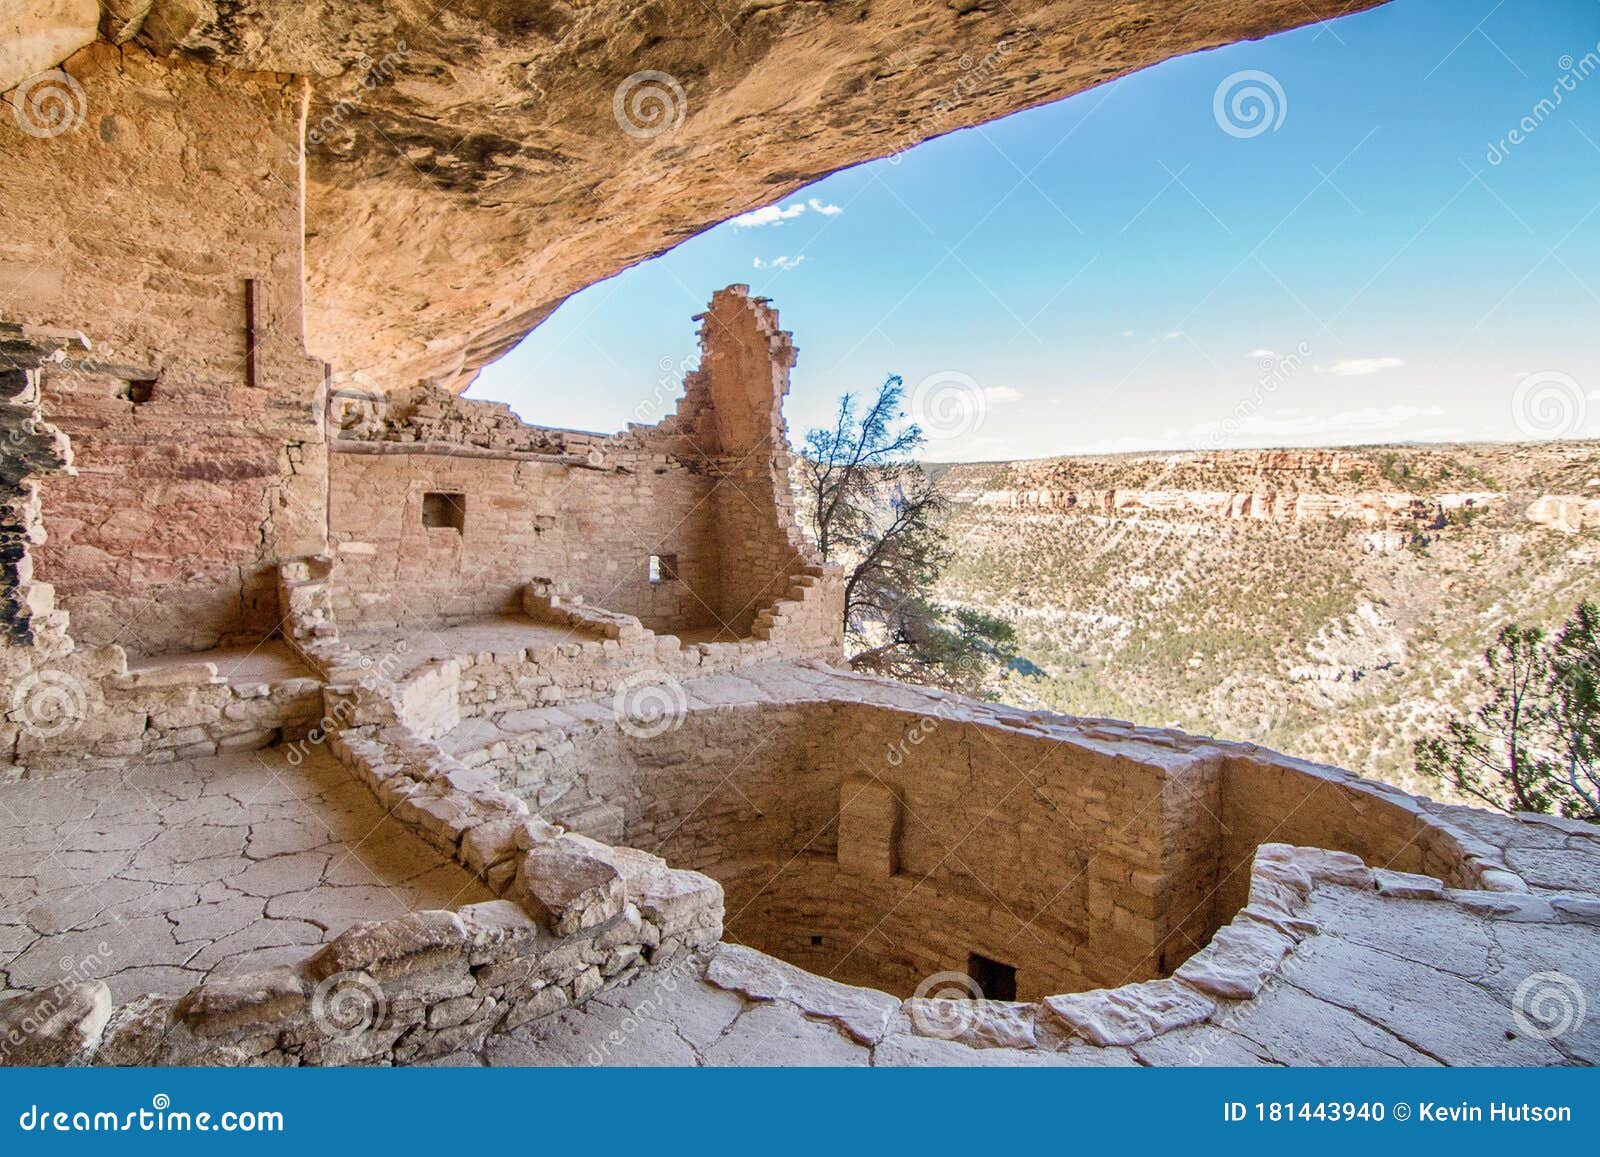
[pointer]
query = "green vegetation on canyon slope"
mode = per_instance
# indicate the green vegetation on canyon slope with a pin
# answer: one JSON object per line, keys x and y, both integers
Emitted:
{"x": 1327, "y": 603}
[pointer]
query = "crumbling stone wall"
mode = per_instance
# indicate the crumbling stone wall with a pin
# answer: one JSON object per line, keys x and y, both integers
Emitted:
{"x": 745, "y": 360}
{"x": 881, "y": 845}
{"x": 1042, "y": 855}
{"x": 526, "y": 517}
{"x": 707, "y": 489}
{"x": 150, "y": 225}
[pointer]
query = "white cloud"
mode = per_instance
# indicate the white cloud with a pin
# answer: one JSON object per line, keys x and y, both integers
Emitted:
{"x": 1296, "y": 427}
{"x": 1000, "y": 395}
{"x": 767, "y": 215}
{"x": 777, "y": 215}
{"x": 784, "y": 262}
{"x": 1361, "y": 367}
{"x": 1262, "y": 353}
{"x": 1173, "y": 336}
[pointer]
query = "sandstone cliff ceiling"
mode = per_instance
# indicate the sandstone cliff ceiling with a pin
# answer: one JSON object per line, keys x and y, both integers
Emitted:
{"x": 468, "y": 169}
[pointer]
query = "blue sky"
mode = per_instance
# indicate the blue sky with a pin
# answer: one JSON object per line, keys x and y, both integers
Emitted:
{"x": 1137, "y": 268}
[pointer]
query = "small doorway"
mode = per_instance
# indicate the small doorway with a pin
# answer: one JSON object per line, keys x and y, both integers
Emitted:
{"x": 995, "y": 980}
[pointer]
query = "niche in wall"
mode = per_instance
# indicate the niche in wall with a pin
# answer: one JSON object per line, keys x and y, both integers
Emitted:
{"x": 444, "y": 511}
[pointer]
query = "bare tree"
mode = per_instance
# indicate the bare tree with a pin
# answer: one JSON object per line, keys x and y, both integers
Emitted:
{"x": 873, "y": 509}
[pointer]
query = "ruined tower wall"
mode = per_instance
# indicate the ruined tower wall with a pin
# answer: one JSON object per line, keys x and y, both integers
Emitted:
{"x": 166, "y": 225}
{"x": 745, "y": 360}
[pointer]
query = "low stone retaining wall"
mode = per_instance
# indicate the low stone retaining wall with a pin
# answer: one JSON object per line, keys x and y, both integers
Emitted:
{"x": 87, "y": 709}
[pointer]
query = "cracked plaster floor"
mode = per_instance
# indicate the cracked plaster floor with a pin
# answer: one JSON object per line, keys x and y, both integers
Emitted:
{"x": 200, "y": 867}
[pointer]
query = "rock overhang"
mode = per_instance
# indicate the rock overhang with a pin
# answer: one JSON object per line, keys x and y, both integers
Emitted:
{"x": 469, "y": 167}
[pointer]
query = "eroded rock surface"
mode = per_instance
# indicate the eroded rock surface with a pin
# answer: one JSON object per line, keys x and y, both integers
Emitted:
{"x": 497, "y": 139}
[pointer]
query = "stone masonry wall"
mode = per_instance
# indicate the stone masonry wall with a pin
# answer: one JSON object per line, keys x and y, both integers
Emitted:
{"x": 163, "y": 540}
{"x": 745, "y": 360}
{"x": 590, "y": 531}
{"x": 1123, "y": 848}
{"x": 1064, "y": 879}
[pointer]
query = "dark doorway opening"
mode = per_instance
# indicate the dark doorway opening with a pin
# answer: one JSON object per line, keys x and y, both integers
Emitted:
{"x": 995, "y": 980}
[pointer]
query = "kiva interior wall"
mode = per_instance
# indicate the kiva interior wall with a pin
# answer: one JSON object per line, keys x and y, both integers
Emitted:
{"x": 166, "y": 227}
{"x": 881, "y": 847}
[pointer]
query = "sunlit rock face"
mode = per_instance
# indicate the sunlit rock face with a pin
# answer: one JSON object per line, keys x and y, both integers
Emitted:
{"x": 471, "y": 166}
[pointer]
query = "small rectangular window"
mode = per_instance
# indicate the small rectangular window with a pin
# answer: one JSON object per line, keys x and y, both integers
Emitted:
{"x": 995, "y": 980}
{"x": 444, "y": 511}
{"x": 663, "y": 568}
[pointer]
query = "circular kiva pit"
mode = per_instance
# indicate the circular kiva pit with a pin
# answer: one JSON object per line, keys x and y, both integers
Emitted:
{"x": 881, "y": 847}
